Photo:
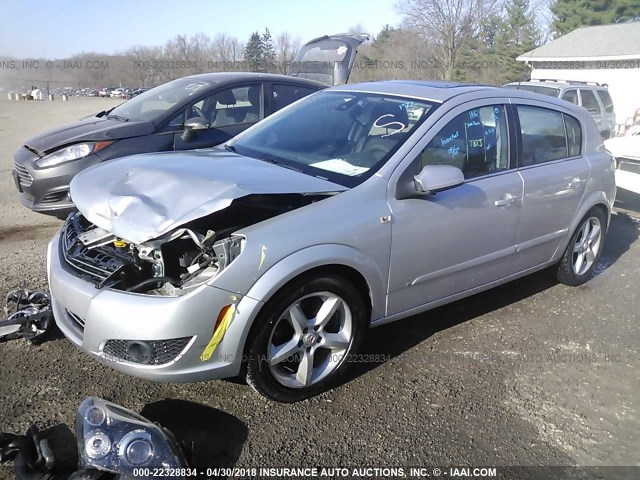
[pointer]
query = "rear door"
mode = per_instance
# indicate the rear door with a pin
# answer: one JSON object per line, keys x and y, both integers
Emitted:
{"x": 555, "y": 175}
{"x": 328, "y": 59}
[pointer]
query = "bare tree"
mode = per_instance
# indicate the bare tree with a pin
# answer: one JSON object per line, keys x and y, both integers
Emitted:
{"x": 448, "y": 25}
{"x": 142, "y": 70}
{"x": 226, "y": 51}
{"x": 286, "y": 50}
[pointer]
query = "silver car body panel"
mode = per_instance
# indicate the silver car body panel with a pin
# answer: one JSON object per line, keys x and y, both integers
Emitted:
{"x": 413, "y": 254}
{"x": 142, "y": 197}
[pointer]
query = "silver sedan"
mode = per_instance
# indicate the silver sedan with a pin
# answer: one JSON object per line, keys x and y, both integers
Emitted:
{"x": 359, "y": 205}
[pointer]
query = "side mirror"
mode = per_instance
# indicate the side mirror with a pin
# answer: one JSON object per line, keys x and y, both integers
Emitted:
{"x": 191, "y": 125}
{"x": 435, "y": 178}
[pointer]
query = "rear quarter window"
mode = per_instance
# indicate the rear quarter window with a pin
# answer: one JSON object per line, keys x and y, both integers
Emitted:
{"x": 605, "y": 98}
{"x": 574, "y": 135}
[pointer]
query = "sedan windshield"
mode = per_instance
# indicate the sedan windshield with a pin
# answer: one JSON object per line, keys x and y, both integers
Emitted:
{"x": 157, "y": 101}
{"x": 343, "y": 137}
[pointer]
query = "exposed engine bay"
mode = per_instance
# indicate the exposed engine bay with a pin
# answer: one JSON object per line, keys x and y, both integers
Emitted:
{"x": 178, "y": 261}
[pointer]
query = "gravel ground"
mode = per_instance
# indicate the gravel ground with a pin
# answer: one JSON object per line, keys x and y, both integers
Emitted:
{"x": 530, "y": 373}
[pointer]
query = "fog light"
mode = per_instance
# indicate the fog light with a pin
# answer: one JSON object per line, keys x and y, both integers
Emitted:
{"x": 140, "y": 352}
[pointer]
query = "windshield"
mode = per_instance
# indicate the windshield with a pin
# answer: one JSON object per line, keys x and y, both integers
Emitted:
{"x": 549, "y": 91}
{"x": 343, "y": 137}
{"x": 157, "y": 101}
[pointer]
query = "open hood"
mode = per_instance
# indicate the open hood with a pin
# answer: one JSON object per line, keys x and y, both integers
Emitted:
{"x": 142, "y": 197}
{"x": 328, "y": 59}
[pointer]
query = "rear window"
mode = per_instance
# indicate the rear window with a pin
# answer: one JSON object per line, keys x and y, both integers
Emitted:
{"x": 284, "y": 94}
{"x": 543, "y": 135}
{"x": 589, "y": 101}
{"x": 605, "y": 98}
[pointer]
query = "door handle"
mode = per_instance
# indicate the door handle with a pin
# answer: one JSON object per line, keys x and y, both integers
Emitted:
{"x": 574, "y": 183}
{"x": 507, "y": 200}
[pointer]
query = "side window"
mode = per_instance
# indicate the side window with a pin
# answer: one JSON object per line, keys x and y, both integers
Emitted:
{"x": 232, "y": 106}
{"x": 284, "y": 94}
{"x": 571, "y": 96}
{"x": 574, "y": 135}
{"x": 589, "y": 101}
{"x": 605, "y": 98}
{"x": 475, "y": 141}
{"x": 543, "y": 137}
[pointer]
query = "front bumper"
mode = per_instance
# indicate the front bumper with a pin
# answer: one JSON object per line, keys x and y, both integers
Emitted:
{"x": 90, "y": 317}
{"x": 46, "y": 190}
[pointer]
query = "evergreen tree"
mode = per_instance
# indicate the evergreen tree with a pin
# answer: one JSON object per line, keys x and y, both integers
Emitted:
{"x": 571, "y": 14}
{"x": 517, "y": 36}
{"x": 268, "y": 52}
{"x": 254, "y": 53}
{"x": 490, "y": 57}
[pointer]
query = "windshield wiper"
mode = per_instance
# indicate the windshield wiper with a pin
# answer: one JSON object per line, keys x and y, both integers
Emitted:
{"x": 275, "y": 161}
{"x": 103, "y": 113}
{"x": 229, "y": 148}
{"x": 118, "y": 117}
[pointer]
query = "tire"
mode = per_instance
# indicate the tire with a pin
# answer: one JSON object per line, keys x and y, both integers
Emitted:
{"x": 583, "y": 251}
{"x": 289, "y": 336}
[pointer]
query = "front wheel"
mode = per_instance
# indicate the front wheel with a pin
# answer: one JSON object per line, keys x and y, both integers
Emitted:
{"x": 305, "y": 337}
{"x": 584, "y": 249}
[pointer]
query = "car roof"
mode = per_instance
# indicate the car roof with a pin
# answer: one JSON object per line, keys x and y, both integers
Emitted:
{"x": 444, "y": 91}
{"x": 561, "y": 85}
{"x": 231, "y": 77}
{"x": 435, "y": 90}
{"x": 426, "y": 89}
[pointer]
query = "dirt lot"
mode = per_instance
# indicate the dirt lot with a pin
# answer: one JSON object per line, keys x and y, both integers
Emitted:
{"x": 531, "y": 373}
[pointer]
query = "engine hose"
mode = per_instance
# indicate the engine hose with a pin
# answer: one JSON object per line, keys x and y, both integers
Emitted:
{"x": 153, "y": 281}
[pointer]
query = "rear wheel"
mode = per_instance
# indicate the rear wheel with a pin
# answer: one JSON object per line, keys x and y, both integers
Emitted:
{"x": 584, "y": 249}
{"x": 304, "y": 338}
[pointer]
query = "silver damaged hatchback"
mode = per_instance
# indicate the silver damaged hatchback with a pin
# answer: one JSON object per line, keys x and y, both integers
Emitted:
{"x": 359, "y": 205}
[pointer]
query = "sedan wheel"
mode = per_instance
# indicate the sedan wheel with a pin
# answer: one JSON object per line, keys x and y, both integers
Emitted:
{"x": 584, "y": 249}
{"x": 310, "y": 340}
{"x": 303, "y": 339}
{"x": 586, "y": 245}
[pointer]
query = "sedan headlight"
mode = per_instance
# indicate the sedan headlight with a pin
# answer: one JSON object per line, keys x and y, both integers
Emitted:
{"x": 72, "y": 152}
{"x": 117, "y": 440}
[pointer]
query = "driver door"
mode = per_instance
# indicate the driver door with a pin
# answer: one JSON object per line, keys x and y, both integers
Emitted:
{"x": 462, "y": 238}
{"x": 224, "y": 114}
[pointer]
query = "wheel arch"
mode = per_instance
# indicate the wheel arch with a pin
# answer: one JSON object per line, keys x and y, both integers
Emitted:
{"x": 595, "y": 200}
{"x": 340, "y": 260}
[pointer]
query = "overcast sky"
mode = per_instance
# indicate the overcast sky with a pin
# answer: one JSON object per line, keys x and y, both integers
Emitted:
{"x": 60, "y": 28}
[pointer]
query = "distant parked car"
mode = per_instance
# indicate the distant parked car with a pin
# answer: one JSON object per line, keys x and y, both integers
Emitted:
{"x": 137, "y": 91}
{"x": 117, "y": 93}
{"x": 92, "y": 93}
{"x": 105, "y": 92}
{"x": 191, "y": 112}
{"x": 591, "y": 96}
{"x": 360, "y": 205}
